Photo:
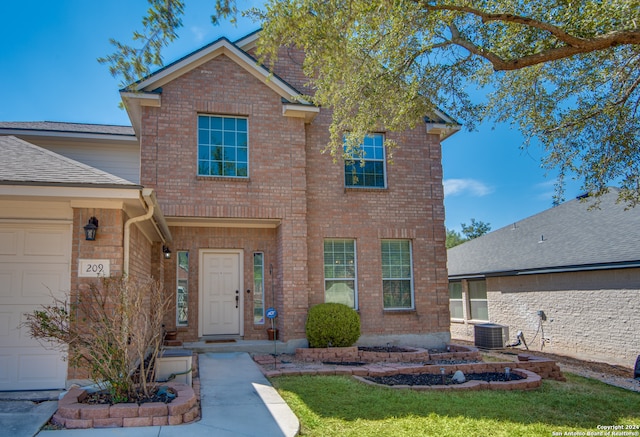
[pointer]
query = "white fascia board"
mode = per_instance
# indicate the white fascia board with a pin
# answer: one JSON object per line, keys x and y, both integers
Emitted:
{"x": 300, "y": 111}
{"x": 444, "y": 130}
{"x": 133, "y": 103}
{"x": 444, "y": 117}
{"x": 249, "y": 42}
{"x": 222, "y": 47}
{"x": 57, "y": 192}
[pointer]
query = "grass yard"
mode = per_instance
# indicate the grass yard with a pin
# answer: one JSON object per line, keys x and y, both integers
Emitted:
{"x": 341, "y": 406}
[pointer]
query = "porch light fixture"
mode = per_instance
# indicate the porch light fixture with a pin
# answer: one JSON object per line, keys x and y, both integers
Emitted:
{"x": 166, "y": 252}
{"x": 90, "y": 229}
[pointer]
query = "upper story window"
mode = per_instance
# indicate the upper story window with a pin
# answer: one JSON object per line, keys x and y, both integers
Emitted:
{"x": 222, "y": 146}
{"x": 365, "y": 165}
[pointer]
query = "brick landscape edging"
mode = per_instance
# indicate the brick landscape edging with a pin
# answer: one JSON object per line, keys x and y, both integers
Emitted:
{"x": 414, "y": 355}
{"x": 530, "y": 381}
{"x": 185, "y": 408}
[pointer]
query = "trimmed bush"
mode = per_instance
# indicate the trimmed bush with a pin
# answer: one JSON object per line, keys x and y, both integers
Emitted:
{"x": 332, "y": 325}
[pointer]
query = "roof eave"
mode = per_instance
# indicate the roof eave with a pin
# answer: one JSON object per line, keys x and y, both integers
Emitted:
{"x": 551, "y": 269}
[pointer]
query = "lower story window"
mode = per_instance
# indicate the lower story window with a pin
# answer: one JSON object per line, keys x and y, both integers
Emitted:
{"x": 258, "y": 288}
{"x": 340, "y": 272}
{"x": 478, "y": 300}
{"x": 182, "y": 293}
{"x": 455, "y": 300}
{"x": 397, "y": 274}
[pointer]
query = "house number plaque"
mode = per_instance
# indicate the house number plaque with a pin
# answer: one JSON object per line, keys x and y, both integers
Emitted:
{"x": 94, "y": 268}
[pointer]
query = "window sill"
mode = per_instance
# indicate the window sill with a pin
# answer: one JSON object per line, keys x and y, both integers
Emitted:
{"x": 469, "y": 321}
{"x": 399, "y": 311}
{"x": 222, "y": 179}
{"x": 366, "y": 189}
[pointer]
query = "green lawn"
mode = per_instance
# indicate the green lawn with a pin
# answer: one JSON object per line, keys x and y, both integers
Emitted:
{"x": 341, "y": 406}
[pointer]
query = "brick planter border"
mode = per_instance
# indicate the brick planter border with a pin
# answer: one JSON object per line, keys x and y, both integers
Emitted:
{"x": 185, "y": 408}
{"x": 530, "y": 381}
{"x": 415, "y": 355}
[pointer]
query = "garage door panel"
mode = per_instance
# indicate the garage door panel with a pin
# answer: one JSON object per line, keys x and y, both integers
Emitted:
{"x": 32, "y": 283}
{"x": 8, "y": 283}
{"x": 12, "y": 331}
{"x": 32, "y": 369}
{"x": 43, "y": 283}
{"x": 45, "y": 243}
{"x": 8, "y": 242}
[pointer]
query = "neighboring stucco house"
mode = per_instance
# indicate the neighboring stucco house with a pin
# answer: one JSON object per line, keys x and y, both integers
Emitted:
{"x": 232, "y": 181}
{"x": 568, "y": 278}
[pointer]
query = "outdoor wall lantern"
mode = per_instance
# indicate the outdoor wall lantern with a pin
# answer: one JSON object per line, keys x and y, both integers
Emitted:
{"x": 166, "y": 252}
{"x": 90, "y": 229}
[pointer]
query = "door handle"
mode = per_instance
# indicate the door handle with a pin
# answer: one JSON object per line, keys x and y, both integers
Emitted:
{"x": 237, "y": 300}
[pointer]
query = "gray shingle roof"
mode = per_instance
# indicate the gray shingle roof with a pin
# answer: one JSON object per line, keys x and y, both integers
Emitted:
{"x": 567, "y": 236}
{"x": 55, "y": 126}
{"x": 23, "y": 163}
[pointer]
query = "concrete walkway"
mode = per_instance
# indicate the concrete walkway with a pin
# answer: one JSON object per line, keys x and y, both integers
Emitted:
{"x": 237, "y": 400}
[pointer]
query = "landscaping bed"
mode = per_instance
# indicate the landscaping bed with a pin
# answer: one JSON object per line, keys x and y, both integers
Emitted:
{"x": 81, "y": 410}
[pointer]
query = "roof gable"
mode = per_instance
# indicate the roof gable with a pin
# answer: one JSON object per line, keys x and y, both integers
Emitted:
{"x": 148, "y": 91}
{"x": 570, "y": 236}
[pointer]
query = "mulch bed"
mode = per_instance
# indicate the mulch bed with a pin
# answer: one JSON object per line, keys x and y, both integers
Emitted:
{"x": 431, "y": 379}
{"x": 159, "y": 394}
{"x": 384, "y": 349}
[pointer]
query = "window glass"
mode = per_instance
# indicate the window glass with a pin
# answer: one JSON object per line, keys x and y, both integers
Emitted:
{"x": 397, "y": 274}
{"x": 222, "y": 146}
{"x": 478, "y": 300}
{"x": 182, "y": 294}
{"x": 455, "y": 300}
{"x": 340, "y": 272}
{"x": 258, "y": 288}
{"x": 365, "y": 166}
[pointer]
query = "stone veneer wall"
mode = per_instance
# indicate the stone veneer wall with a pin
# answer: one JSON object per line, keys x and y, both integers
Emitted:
{"x": 589, "y": 315}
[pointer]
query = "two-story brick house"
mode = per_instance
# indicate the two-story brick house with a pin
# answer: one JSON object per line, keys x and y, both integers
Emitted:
{"x": 237, "y": 166}
{"x": 256, "y": 216}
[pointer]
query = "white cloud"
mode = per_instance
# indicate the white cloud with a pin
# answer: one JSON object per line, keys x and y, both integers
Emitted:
{"x": 198, "y": 33}
{"x": 455, "y": 187}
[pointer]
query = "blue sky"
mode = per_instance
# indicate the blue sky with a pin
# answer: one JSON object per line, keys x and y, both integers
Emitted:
{"x": 49, "y": 72}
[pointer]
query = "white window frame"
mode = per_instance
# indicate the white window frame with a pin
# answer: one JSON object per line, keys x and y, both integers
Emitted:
{"x": 410, "y": 279}
{"x": 178, "y": 286}
{"x": 355, "y": 269}
{"x": 353, "y": 158}
{"x": 207, "y": 143}
{"x": 485, "y": 300}
{"x": 254, "y": 289}
{"x": 461, "y": 300}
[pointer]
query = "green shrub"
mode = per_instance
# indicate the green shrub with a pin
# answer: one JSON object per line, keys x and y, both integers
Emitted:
{"x": 332, "y": 324}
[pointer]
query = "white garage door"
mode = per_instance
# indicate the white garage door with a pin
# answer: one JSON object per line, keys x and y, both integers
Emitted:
{"x": 34, "y": 264}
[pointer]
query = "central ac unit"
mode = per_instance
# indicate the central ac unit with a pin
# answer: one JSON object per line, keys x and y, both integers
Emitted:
{"x": 491, "y": 336}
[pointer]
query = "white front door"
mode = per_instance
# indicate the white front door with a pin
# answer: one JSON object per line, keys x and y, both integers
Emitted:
{"x": 34, "y": 267}
{"x": 220, "y": 292}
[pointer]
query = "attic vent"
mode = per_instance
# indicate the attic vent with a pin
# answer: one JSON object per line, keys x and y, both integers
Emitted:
{"x": 491, "y": 336}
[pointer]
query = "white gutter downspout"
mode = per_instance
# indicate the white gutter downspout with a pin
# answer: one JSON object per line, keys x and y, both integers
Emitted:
{"x": 127, "y": 229}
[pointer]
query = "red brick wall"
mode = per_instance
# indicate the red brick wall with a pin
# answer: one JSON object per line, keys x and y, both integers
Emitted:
{"x": 292, "y": 181}
{"x": 410, "y": 208}
{"x": 108, "y": 245}
{"x": 192, "y": 239}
